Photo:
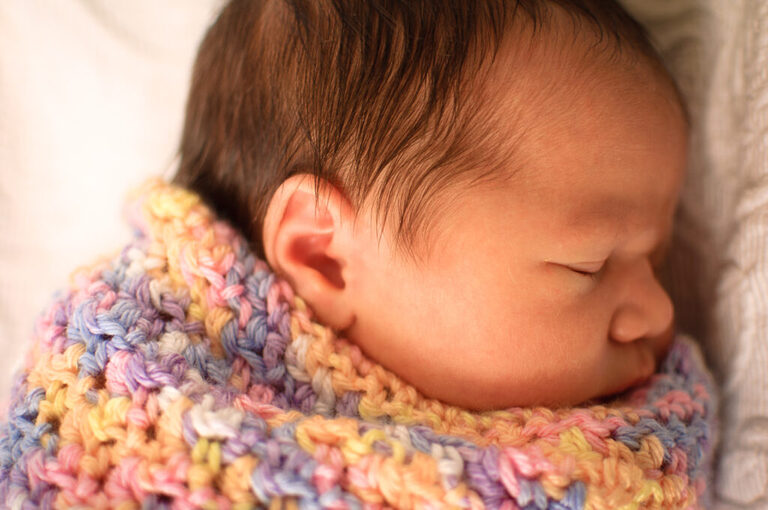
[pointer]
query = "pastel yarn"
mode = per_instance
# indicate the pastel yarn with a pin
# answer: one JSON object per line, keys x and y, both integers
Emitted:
{"x": 181, "y": 373}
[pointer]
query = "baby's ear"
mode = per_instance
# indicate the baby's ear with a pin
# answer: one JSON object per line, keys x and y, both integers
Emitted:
{"x": 305, "y": 242}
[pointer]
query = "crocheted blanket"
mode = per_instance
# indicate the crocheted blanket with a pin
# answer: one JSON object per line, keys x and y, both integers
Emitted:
{"x": 181, "y": 373}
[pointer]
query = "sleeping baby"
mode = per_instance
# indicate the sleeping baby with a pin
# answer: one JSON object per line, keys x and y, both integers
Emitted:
{"x": 410, "y": 258}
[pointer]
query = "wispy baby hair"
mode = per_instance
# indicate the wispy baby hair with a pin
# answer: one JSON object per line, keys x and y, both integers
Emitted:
{"x": 381, "y": 98}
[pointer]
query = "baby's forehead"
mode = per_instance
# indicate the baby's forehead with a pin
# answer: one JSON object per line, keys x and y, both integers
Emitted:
{"x": 609, "y": 159}
{"x": 536, "y": 62}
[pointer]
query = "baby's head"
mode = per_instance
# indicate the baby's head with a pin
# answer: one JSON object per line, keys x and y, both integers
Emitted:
{"x": 478, "y": 194}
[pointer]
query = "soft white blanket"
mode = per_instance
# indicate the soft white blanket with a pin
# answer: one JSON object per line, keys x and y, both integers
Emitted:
{"x": 92, "y": 94}
{"x": 718, "y": 51}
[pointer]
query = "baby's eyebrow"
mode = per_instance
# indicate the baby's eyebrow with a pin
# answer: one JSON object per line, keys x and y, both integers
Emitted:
{"x": 614, "y": 219}
{"x": 603, "y": 216}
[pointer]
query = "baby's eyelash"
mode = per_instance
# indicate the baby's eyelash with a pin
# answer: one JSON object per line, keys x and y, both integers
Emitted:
{"x": 592, "y": 275}
{"x": 582, "y": 272}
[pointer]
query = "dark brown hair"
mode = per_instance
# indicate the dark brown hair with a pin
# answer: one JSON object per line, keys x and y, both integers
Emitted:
{"x": 372, "y": 96}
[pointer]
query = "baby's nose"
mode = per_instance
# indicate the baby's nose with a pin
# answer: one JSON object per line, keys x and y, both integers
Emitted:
{"x": 646, "y": 310}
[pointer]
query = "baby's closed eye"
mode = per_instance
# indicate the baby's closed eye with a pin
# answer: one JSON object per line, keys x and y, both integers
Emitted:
{"x": 584, "y": 269}
{"x": 587, "y": 268}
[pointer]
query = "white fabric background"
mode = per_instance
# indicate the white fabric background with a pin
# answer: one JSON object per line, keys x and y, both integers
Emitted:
{"x": 91, "y": 102}
{"x": 718, "y": 51}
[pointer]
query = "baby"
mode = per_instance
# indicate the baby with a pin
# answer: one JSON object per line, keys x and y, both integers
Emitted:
{"x": 478, "y": 197}
{"x": 409, "y": 260}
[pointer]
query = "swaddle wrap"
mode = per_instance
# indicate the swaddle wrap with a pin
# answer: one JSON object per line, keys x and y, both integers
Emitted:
{"x": 182, "y": 373}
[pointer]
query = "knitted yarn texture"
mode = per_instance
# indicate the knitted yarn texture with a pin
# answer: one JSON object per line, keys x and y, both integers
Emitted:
{"x": 182, "y": 373}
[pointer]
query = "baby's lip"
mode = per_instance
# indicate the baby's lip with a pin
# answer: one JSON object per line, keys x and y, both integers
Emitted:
{"x": 662, "y": 343}
{"x": 654, "y": 350}
{"x": 639, "y": 380}
{"x": 624, "y": 387}
{"x": 648, "y": 370}
{"x": 658, "y": 347}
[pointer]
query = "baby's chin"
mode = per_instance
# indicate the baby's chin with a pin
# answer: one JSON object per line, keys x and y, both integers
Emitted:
{"x": 573, "y": 395}
{"x": 618, "y": 394}
{"x": 559, "y": 394}
{"x": 657, "y": 349}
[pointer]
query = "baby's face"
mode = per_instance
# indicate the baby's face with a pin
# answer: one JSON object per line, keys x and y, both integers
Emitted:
{"x": 542, "y": 290}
